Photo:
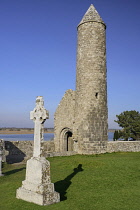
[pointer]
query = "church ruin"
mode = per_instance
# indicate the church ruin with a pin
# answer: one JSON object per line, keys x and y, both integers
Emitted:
{"x": 81, "y": 117}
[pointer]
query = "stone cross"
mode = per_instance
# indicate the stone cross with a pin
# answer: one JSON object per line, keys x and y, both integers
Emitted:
{"x": 38, "y": 115}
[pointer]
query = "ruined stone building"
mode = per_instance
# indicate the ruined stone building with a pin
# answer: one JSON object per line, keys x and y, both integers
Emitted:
{"x": 81, "y": 117}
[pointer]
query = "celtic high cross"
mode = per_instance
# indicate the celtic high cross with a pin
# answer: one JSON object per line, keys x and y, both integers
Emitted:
{"x": 39, "y": 116}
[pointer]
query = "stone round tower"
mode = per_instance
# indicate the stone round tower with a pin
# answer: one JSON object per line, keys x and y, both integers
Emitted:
{"x": 91, "y": 114}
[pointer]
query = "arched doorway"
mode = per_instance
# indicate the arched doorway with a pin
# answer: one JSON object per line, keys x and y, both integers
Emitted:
{"x": 66, "y": 140}
{"x": 68, "y": 146}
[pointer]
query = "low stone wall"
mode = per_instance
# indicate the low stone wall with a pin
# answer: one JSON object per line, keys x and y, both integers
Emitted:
{"x": 123, "y": 146}
{"x": 17, "y": 151}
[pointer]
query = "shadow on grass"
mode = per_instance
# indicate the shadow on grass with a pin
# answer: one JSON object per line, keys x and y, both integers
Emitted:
{"x": 13, "y": 171}
{"x": 63, "y": 185}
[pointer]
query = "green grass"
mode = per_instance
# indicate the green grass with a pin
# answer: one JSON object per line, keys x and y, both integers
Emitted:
{"x": 101, "y": 182}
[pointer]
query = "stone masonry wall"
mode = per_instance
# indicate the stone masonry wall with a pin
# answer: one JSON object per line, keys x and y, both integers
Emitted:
{"x": 17, "y": 151}
{"x": 123, "y": 146}
{"x": 64, "y": 118}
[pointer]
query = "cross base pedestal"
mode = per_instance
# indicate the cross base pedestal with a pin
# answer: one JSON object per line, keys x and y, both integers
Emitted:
{"x": 37, "y": 187}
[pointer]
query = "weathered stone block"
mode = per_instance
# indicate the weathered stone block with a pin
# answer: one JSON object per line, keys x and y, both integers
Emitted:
{"x": 37, "y": 186}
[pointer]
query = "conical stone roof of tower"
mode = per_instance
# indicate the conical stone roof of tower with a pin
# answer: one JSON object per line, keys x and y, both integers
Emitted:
{"x": 91, "y": 15}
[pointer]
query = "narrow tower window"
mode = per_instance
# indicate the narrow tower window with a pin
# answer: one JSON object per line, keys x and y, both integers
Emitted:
{"x": 96, "y": 95}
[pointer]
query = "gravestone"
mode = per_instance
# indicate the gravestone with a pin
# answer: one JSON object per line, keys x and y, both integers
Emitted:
{"x": 37, "y": 186}
{"x": 2, "y": 157}
{"x": 1, "y": 161}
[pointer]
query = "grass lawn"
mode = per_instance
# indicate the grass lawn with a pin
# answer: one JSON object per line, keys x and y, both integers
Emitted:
{"x": 95, "y": 182}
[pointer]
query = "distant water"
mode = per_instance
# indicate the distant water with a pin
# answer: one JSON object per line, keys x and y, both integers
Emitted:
{"x": 30, "y": 137}
{"x": 24, "y": 137}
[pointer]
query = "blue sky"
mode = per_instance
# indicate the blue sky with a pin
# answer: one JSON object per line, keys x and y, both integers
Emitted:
{"x": 38, "y": 55}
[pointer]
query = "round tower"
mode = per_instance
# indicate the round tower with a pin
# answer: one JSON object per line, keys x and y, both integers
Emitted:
{"x": 91, "y": 112}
